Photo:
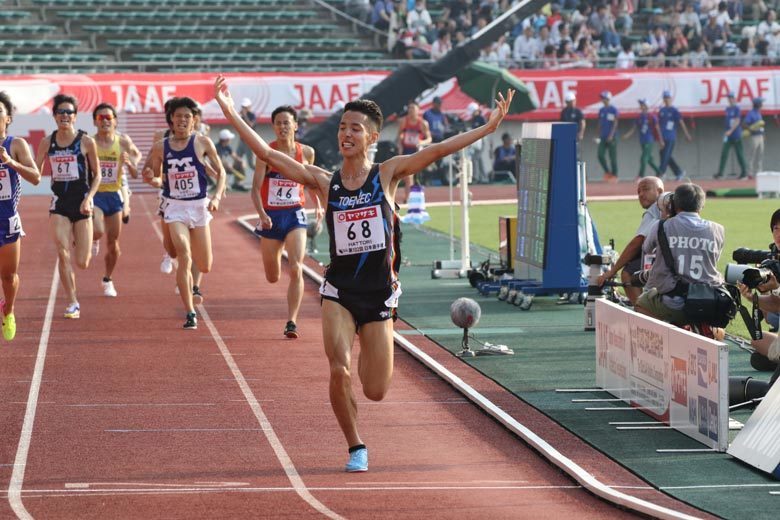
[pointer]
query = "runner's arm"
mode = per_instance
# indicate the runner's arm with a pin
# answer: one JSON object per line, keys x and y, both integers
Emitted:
{"x": 21, "y": 160}
{"x": 281, "y": 162}
{"x": 42, "y": 153}
{"x": 93, "y": 162}
{"x": 402, "y": 166}
{"x": 133, "y": 155}
{"x": 210, "y": 151}
{"x": 257, "y": 183}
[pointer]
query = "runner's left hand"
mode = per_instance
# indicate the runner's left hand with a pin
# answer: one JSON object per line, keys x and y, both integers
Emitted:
{"x": 502, "y": 108}
{"x": 213, "y": 204}
{"x": 86, "y": 205}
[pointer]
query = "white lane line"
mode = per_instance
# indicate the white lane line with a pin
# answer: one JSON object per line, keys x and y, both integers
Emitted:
{"x": 281, "y": 454}
{"x": 79, "y": 491}
{"x": 127, "y": 405}
{"x": 17, "y": 477}
{"x": 184, "y": 430}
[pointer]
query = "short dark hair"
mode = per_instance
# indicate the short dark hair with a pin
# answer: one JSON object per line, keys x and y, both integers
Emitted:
{"x": 59, "y": 99}
{"x": 180, "y": 102}
{"x": 689, "y": 197}
{"x": 5, "y": 99}
{"x": 103, "y": 106}
{"x": 369, "y": 108}
{"x": 284, "y": 108}
{"x": 775, "y": 219}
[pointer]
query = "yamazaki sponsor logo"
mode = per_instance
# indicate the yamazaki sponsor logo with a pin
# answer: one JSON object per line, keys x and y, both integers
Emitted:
{"x": 716, "y": 90}
{"x": 182, "y": 175}
{"x": 357, "y": 214}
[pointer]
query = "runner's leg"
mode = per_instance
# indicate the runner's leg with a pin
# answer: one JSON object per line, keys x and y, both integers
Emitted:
{"x": 338, "y": 331}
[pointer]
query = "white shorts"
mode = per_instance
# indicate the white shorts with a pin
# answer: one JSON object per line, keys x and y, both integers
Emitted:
{"x": 192, "y": 213}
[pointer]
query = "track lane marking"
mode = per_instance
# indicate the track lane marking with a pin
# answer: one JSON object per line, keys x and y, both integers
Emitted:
{"x": 23, "y": 449}
{"x": 281, "y": 454}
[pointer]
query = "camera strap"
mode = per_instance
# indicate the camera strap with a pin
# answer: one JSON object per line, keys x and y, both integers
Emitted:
{"x": 663, "y": 244}
{"x": 752, "y": 320}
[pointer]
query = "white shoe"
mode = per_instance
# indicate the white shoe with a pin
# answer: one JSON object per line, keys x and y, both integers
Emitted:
{"x": 108, "y": 289}
{"x": 166, "y": 266}
{"x": 95, "y": 247}
{"x": 73, "y": 311}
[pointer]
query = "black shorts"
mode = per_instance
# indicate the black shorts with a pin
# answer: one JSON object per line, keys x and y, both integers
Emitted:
{"x": 68, "y": 206}
{"x": 365, "y": 307}
{"x": 633, "y": 266}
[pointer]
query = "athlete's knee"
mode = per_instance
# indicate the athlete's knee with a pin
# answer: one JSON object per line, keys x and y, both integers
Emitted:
{"x": 97, "y": 234}
{"x": 339, "y": 374}
{"x": 9, "y": 277}
{"x": 114, "y": 248}
{"x": 83, "y": 263}
{"x": 205, "y": 268}
{"x": 375, "y": 392}
{"x": 296, "y": 270}
{"x": 271, "y": 277}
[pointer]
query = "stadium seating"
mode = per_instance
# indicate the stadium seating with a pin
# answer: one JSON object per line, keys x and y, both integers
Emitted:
{"x": 159, "y": 35}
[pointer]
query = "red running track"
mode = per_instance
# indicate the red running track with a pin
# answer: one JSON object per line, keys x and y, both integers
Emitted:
{"x": 137, "y": 418}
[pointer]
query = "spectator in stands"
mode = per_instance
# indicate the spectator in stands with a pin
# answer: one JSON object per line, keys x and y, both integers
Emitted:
{"x": 360, "y": 9}
{"x": 647, "y": 124}
{"x": 608, "y": 124}
{"x": 714, "y": 36}
{"x": 754, "y": 126}
{"x": 561, "y": 33}
{"x": 698, "y": 56}
{"x": 572, "y": 114}
{"x": 658, "y": 41}
{"x": 768, "y": 25}
{"x": 587, "y": 54}
{"x": 631, "y": 258}
{"x": 664, "y": 296}
{"x": 544, "y": 38}
{"x": 602, "y": 26}
{"x": 622, "y": 11}
{"x": 757, "y": 8}
{"x": 582, "y": 14}
{"x": 232, "y": 163}
{"x": 668, "y": 119}
{"x": 690, "y": 22}
{"x": 504, "y": 156}
{"x": 460, "y": 11}
{"x": 732, "y": 138}
{"x": 678, "y": 48}
{"x": 380, "y": 14}
{"x": 566, "y": 56}
{"x": 722, "y": 17}
{"x": 555, "y": 17}
{"x": 437, "y": 121}
{"x": 626, "y": 59}
{"x": 249, "y": 117}
{"x": 419, "y": 21}
{"x": 526, "y": 48}
{"x": 501, "y": 52}
{"x": 549, "y": 58}
{"x": 442, "y": 45}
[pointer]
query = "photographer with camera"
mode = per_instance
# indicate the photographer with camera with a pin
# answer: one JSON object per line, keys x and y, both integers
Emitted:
{"x": 630, "y": 261}
{"x": 692, "y": 245}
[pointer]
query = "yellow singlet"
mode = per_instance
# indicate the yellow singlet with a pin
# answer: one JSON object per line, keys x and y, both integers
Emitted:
{"x": 110, "y": 176}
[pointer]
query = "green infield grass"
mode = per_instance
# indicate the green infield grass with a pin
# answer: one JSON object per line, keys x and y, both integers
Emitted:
{"x": 746, "y": 222}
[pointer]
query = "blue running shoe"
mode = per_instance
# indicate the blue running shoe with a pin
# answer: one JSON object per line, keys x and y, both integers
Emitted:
{"x": 358, "y": 461}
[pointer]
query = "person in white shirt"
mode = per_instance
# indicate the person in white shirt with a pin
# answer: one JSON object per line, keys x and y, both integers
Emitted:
{"x": 442, "y": 45}
{"x": 768, "y": 25}
{"x": 690, "y": 21}
{"x": 526, "y": 47}
{"x": 419, "y": 19}
{"x": 626, "y": 58}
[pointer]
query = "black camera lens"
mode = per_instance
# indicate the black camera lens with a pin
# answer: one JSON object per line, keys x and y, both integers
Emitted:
{"x": 744, "y": 255}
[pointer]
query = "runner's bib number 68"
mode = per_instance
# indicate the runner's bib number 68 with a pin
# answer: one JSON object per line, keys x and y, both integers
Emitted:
{"x": 64, "y": 167}
{"x": 359, "y": 230}
{"x": 184, "y": 184}
{"x": 283, "y": 192}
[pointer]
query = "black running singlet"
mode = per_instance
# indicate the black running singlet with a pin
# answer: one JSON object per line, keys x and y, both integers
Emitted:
{"x": 362, "y": 239}
{"x": 70, "y": 173}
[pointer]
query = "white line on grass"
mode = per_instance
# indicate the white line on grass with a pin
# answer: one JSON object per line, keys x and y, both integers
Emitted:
{"x": 17, "y": 477}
